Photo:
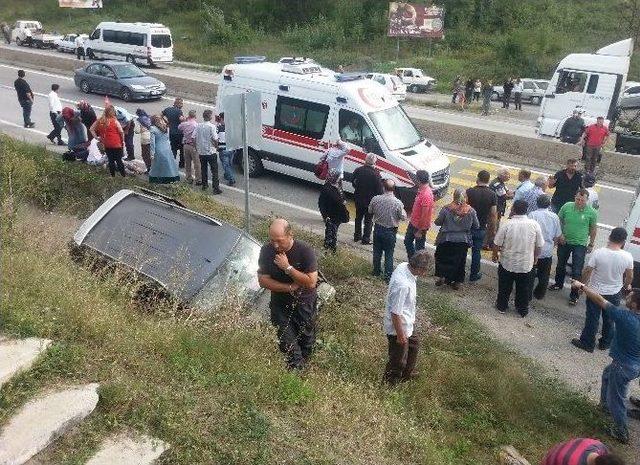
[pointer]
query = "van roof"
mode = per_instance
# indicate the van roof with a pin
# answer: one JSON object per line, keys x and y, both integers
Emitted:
{"x": 119, "y": 24}
{"x": 268, "y": 76}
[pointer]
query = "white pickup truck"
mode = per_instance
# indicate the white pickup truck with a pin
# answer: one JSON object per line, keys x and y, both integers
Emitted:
{"x": 31, "y": 33}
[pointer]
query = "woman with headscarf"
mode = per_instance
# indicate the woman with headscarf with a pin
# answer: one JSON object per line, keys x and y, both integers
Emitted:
{"x": 87, "y": 115}
{"x": 333, "y": 209}
{"x": 144, "y": 123}
{"x": 110, "y": 133}
{"x": 456, "y": 221}
{"x": 163, "y": 169}
{"x": 70, "y": 119}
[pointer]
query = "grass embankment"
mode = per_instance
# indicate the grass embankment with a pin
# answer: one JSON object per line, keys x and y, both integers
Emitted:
{"x": 482, "y": 39}
{"x": 215, "y": 386}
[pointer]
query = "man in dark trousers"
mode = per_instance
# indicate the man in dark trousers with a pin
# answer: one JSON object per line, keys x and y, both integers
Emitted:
{"x": 367, "y": 183}
{"x": 572, "y": 128}
{"x": 289, "y": 269}
{"x": 25, "y": 97}
{"x": 507, "y": 87}
{"x": 175, "y": 116}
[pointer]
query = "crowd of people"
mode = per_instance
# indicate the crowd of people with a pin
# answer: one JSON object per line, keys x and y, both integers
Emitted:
{"x": 168, "y": 141}
{"x": 466, "y": 92}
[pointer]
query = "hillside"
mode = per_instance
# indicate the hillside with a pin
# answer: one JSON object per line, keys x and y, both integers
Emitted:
{"x": 484, "y": 38}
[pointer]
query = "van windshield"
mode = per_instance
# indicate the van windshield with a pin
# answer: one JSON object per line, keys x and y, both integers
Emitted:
{"x": 160, "y": 40}
{"x": 395, "y": 127}
{"x": 128, "y": 71}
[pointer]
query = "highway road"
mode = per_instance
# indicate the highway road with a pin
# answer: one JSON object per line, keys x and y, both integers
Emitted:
{"x": 503, "y": 121}
{"x": 278, "y": 193}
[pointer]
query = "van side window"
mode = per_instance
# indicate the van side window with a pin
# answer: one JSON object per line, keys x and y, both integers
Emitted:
{"x": 355, "y": 130}
{"x": 95, "y": 35}
{"x": 593, "y": 84}
{"x": 301, "y": 117}
{"x": 408, "y": 73}
{"x": 109, "y": 36}
{"x": 571, "y": 81}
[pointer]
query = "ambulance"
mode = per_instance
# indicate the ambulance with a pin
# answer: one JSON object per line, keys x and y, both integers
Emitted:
{"x": 306, "y": 108}
{"x": 632, "y": 225}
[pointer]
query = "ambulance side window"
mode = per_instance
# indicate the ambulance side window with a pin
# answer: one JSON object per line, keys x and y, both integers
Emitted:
{"x": 355, "y": 130}
{"x": 301, "y": 117}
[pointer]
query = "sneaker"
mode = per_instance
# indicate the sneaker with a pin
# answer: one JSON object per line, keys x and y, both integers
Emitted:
{"x": 573, "y": 301}
{"x": 456, "y": 286}
{"x": 356, "y": 239}
{"x": 554, "y": 287}
{"x": 633, "y": 413}
{"x": 60, "y": 142}
{"x": 475, "y": 278}
{"x": 52, "y": 139}
{"x": 231, "y": 183}
{"x": 439, "y": 282}
{"x": 501, "y": 311}
{"x": 580, "y": 345}
{"x": 523, "y": 313}
{"x": 217, "y": 191}
{"x": 619, "y": 434}
{"x": 602, "y": 346}
{"x": 30, "y": 125}
{"x": 365, "y": 242}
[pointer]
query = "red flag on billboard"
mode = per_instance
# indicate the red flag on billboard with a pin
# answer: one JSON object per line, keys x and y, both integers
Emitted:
{"x": 412, "y": 20}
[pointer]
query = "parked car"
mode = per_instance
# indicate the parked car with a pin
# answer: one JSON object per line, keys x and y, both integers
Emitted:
{"x": 31, "y": 33}
{"x": 394, "y": 84}
{"x": 198, "y": 260}
{"x": 533, "y": 91}
{"x": 415, "y": 79}
{"x": 67, "y": 43}
{"x": 123, "y": 80}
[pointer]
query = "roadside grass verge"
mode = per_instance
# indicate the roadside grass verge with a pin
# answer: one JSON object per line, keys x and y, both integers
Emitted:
{"x": 215, "y": 387}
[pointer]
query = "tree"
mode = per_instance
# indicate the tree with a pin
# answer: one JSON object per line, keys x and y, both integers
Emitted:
{"x": 630, "y": 15}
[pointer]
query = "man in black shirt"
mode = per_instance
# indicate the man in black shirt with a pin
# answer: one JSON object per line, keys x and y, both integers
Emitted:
{"x": 567, "y": 183}
{"x": 25, "y": 97}
{"x": 289, "y": 269}
{"x": 367, "y": 183}
{"x": 174, "y": 116}
{"x": 484, "y": 202}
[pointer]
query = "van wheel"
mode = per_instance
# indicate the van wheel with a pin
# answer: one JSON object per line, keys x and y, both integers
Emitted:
{"x": 536, "y": 100}
{"x": 18, "y": 41}
{"x": 255, "y": 164}
{"x": 130, "y": 59}
{"x": 126, "y": 95}
{"x": 90, "y": 54}
{"x": 84, "y": 86}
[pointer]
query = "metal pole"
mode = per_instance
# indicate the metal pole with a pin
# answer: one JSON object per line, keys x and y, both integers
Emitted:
{"x": 397, "y": 48}
{"x": 245, "y": 161}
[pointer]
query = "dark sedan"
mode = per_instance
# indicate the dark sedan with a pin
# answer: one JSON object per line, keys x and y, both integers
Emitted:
{"x": 123, "y": 80}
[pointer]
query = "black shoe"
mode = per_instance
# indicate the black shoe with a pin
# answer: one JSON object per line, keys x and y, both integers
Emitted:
{"x": 619, "y": 435}
{"x": 232, "y": 183}
{"x": 198, "y": 184}
{"x": 180, "y": 165}
{"x": 633, "y": 413}
{"x": 502, "y": 311}
{"x": 204, "y": 187}
{"x": 217, "y": 191}
{"x": 602, "y": 346}
{"x": 356, "y": 238}
{"x": 580, "y": 345}
{"x": 554, "y": 287}
{"x": 365, "y": 242}
{"x": 523, "y": 313}
{"x": 30, "y": 125}
{"x": 52, "y": 139}
{"x": 635, "y": 401}
{"x": 475, "y": 278}
{"x": 61, "y": 142}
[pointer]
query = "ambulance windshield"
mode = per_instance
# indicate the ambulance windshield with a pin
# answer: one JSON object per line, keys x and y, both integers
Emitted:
{"x": 395, "y": 127}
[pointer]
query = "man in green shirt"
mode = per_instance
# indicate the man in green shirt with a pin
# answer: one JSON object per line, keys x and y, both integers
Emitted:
{"x": 579, "y": 227}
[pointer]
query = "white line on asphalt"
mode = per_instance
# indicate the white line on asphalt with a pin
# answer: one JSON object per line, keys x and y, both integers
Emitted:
{"x": 59, "y": 76}
{"x": 502, "y": 165}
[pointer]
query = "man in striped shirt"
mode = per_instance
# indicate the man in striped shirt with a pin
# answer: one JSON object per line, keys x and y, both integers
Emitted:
{"x": 581, "y": 451}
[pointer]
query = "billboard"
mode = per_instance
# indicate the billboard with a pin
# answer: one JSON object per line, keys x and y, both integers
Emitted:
{"x": 412, "y": 20}
{"x": 80, "y": 3}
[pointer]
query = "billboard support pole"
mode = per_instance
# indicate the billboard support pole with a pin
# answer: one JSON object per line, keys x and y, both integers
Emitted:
{"x": 245, "y": 161}
{"x": 397, "y": 49}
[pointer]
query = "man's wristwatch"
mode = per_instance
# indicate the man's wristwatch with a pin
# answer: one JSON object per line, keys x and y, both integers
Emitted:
{"x": 288, "y": 269}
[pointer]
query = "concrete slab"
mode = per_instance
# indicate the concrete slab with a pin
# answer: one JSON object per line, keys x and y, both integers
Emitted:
{"x": 130, "y": 449}
{"x": 18, "y": 355}
{"x": 44, "y": 419}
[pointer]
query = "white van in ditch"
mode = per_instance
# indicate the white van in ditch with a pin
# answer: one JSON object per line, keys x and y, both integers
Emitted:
{"x": 144, "y": 42}
{"x": 305, "y": 108}
{"x": 591, "y": 81}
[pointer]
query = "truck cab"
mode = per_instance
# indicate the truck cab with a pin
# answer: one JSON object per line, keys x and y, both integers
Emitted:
{"x": 592, "y": 82}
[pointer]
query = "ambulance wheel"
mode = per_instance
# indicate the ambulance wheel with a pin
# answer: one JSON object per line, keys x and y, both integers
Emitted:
{"x": 255, "y": 164}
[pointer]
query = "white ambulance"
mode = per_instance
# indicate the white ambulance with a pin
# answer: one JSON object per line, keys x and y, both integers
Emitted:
{"x": 306, "y": 107}
{"x": 632, "y": 225}
{"x": 592, "y": 82}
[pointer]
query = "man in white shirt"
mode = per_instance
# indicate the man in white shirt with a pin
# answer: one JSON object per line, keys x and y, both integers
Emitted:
{"x": 551, "y": 231}
{"x": 351, "y": 132}
{"x": 55, "y": 108}
{"x": 335, "y": 157}
{"x": 517, "y": 245}
{"x": 79, "y": 43}
{"x": 610, "y": 269}
{"x": 400, "y": 317}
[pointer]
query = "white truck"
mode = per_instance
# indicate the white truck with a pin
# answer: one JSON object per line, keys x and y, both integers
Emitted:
{"x": 31, "y": 33}
{"x": 592, "y": 82}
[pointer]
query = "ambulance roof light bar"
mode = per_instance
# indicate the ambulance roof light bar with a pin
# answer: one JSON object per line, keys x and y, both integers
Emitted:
{"x": 244, "y": 60}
